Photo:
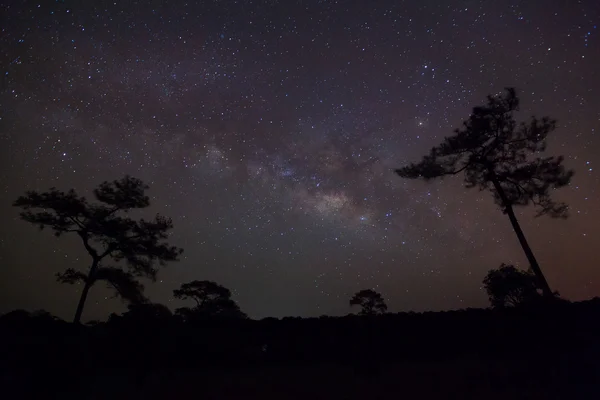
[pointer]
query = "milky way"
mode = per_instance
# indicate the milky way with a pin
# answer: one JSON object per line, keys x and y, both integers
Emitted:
{"x": 269, "y": 133}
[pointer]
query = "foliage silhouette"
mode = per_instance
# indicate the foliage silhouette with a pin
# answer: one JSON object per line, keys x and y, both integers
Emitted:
{"x": 370, "y": 301}
{"x": 123, "y": 282}
{"x": 508, "y": 286}
{"x": 22, "y": 317}
{"x": 143, "y": 314}
{"x": 107, "y": 233}
{"x": 496, "y": 153}
{"x": 212, "y": 300}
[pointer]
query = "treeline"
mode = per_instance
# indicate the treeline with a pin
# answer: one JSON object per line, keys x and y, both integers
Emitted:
{"x": 145, "y": 339}
{"x": 550, "y": 348}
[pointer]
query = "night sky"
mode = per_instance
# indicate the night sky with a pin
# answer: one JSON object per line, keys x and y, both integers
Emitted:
{"x": 269, "y": 132}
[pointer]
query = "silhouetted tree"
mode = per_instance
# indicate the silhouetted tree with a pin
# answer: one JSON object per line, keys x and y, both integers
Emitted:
{"x": 508, "y": 286}
{"x": 498, "y": 154}
{"x": 107, "y": 232}
{"x": 370, "y": 301}
{"x": 212, "y": 300}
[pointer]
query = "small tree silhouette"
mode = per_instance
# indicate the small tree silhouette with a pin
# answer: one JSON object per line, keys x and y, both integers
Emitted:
{"x": 508, "y": 286}
{"x": 370, "y": 301}
{"x": 212, "y": 300}
{"x": 498, "y": 154}
{"x": 107, "y": 232}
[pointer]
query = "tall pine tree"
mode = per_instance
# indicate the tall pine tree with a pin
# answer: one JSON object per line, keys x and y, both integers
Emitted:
{"x": 496, "y": 153}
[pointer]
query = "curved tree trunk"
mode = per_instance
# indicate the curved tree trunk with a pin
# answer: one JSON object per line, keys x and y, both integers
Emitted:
{"x": 88, "y": 284}
{"x": 521, "y": 236}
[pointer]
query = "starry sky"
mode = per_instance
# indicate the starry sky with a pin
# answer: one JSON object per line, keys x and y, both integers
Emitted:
{"x": 269, "y": 132}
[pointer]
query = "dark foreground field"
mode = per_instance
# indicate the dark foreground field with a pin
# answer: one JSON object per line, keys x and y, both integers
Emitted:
{"x": 474, "y": 354}
{"x": 459, "y": 379}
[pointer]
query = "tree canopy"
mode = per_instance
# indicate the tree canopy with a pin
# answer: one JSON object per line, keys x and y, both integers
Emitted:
{"x": 370, "y": 301}
{"x": 212, "y": 300}
{"x": 496, "y": 153}
{"x": 508, "y": 286}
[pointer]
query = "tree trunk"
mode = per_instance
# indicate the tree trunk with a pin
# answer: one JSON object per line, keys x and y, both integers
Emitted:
{"x": 521, "y": 236}
{"x": 88, "y": 284}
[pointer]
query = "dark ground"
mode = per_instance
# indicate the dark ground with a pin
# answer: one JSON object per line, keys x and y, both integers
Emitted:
{"x": 551, "y": 353}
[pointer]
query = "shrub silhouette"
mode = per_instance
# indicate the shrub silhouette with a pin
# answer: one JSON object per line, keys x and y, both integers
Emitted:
{"x": 143, "y": 314}
{"x": 508, "y": 286}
